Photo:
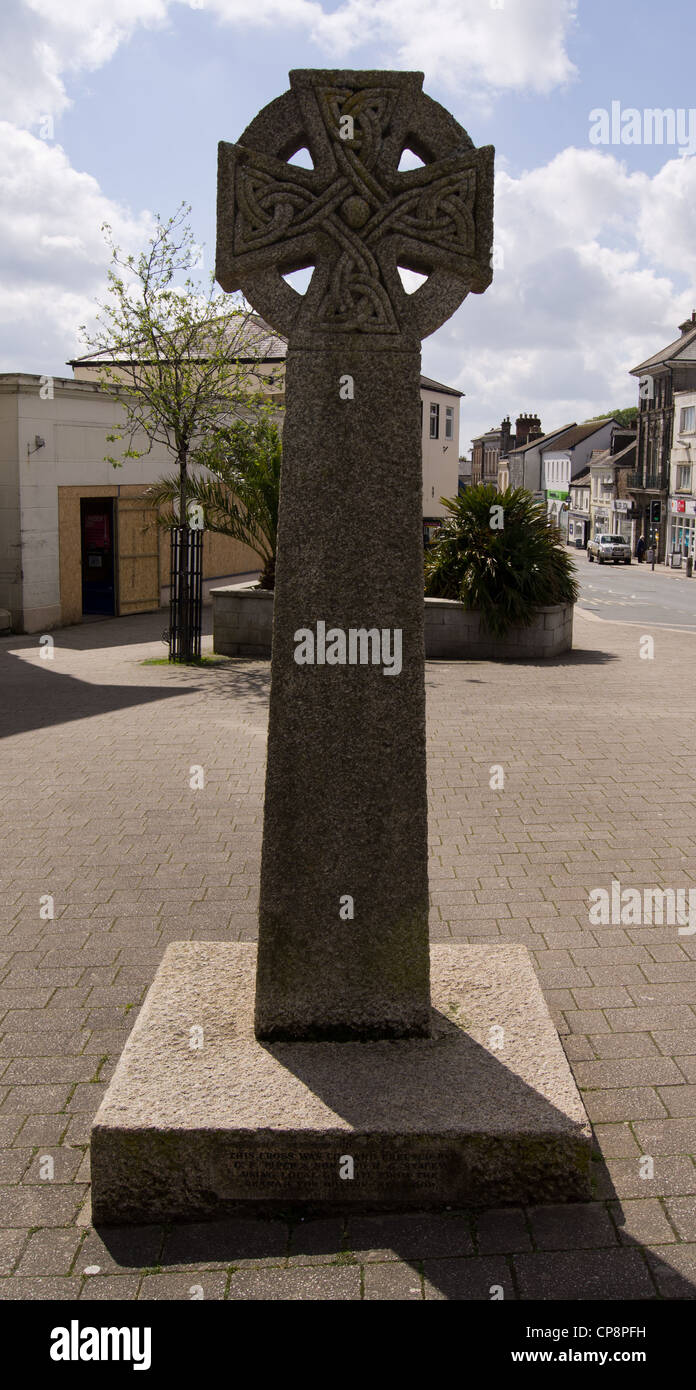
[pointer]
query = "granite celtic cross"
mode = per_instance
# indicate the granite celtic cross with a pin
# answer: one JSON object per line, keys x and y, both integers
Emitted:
{"x": 343, "y": 925}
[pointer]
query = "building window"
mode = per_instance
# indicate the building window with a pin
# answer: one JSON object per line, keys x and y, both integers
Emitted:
{"x": 434, "y": 421}
{"x": 687, "y": 420}
{"x": 683, "y": 476}
{"x": 449, "y": 422}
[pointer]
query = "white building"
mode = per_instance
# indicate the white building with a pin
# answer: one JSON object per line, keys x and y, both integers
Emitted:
{"x": 524, "y": 467}
{"x": 565, "y": 458}
{"x": 612, "y": 508}
{"x": 440, "y": 437}
{"x": 79, "y": 537}
{"x": 681, "y": 503}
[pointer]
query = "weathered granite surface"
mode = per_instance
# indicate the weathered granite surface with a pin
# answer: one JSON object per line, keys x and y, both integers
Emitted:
{"x": 346, "y": 807}
{"x": 355, "y": 216}
{"x": 345, "y": 828}
{"x": 198, "y": 1124}
{"x": 342, "y": 1084}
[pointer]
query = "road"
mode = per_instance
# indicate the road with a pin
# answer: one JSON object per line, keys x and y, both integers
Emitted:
{"x": 635, "y": 594}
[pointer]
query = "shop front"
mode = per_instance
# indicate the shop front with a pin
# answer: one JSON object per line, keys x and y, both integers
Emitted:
{"x": 601, "y": 520}
{"x": 578, "y": 527}
{"x": 557, "y": 507}
{"x": 682, "y": 527}
{"x": 623, "y": 520}
{"x": 431, "y": 526}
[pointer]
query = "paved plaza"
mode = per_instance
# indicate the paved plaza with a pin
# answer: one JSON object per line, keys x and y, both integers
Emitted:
{"x": 99, "y": 750}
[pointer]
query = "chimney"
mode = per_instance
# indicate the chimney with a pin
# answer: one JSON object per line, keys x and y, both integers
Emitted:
{"x": 688, "y": 325}
{"x": 505, "y": 437}
{"x": 526, "y": 427}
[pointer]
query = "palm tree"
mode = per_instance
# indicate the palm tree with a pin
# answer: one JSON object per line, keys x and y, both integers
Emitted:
{"x": 238, "y": 492}
{"x": 499, "y": 552}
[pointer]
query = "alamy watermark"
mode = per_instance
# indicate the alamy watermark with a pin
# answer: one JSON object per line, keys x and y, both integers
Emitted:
{"x": 633, "y": 907}
{"x": 359, "y": 646}
{"x": 77, "y": 1343}
{"x": 654, "y": 125}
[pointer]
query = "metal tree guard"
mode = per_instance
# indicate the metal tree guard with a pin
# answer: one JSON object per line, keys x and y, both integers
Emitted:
{"x": 185, "y": 601}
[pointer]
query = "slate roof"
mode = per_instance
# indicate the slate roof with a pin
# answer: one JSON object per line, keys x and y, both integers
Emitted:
{"x": 575, "y": 434}
{"x": 261, "y": 336}
{"x": 266, "y": 346}
{"x": 683, "y": 347}
{"x": 540, "y": 441}
{"x": 431, "y": 385}
{"x": 622, "y": 459}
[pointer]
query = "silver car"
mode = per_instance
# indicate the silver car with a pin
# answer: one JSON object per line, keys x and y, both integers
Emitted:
{"x": 615, "y": 548}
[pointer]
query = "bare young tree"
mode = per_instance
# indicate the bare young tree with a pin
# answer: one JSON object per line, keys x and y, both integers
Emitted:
{"x": 183, "y": 359}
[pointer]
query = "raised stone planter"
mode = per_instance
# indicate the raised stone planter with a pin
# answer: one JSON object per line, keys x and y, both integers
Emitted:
{"x": 242, "y": 620}
{"x": 243, "y": 623}
{"x": 453, "y": 633}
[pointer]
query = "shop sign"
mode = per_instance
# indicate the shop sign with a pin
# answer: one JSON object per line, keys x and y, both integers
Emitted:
{"x": 682, "y": 506}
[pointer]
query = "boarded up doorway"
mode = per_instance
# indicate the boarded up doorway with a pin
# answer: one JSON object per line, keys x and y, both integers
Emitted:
{"x": 138, "y": 556}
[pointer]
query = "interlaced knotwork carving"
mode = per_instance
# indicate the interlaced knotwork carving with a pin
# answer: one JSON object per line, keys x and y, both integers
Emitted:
{"x": 355, "y": 216}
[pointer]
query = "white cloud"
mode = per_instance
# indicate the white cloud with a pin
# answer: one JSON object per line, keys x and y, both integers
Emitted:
{"x": 667, "y": 226}
{"x": 595, "y": 258}
{"x": 596, "y": 269}
{"x": 44, "y": 41}
{"x": 466, "y": 45}
{"x": 53, "y": 257}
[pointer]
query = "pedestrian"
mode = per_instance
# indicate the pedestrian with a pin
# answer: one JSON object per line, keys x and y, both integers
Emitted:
{"x": 640, "y": 550}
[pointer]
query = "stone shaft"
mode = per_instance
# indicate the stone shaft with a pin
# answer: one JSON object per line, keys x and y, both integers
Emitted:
{"x": 345, "y": 821}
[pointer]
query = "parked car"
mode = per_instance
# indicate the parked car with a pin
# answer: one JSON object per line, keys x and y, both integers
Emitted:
{"x": 615, "y": 548}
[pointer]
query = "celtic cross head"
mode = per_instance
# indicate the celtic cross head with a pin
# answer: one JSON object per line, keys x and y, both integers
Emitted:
{"x": 355, "y": 217}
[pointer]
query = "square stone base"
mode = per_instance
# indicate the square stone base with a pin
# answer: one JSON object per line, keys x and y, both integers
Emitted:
{"x": 201, "y": 1120}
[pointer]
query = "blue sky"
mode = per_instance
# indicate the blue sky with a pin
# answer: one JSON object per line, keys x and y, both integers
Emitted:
{"x": 597, "y": 242}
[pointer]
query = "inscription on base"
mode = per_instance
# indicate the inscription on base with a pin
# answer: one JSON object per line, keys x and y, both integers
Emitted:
{"x": 316, "y": 1172}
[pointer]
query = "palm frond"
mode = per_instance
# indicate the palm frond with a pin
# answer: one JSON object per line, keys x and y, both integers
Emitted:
{"x": 506, "y": 563}
{"x": 236, "y": 482}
